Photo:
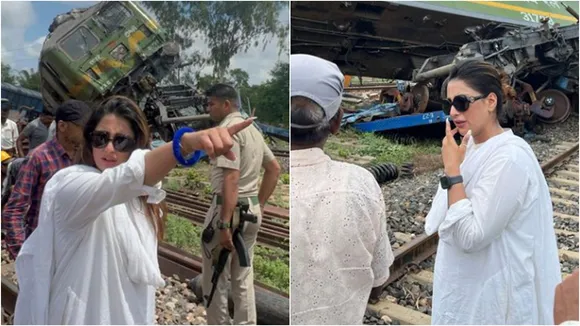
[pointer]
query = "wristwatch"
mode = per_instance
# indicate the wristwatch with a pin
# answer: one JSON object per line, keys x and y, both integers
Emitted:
{"x": 447, "y": 182}
{"x": 221, "y": 225}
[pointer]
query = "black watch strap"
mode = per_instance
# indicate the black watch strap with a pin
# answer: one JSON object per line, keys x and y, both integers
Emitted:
{"x": 448, "y": 182}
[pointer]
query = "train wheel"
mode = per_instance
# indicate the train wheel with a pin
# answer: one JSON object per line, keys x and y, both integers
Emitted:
{"x": 561, "y": 103}
{"x": 421, "y": 97}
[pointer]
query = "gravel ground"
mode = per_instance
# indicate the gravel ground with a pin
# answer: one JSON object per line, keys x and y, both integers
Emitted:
{"x": 565, "y": 224}
{"x": 567, "y": 242}
{"x": 565, "y": 209}
{"x": 574, "y": 189}
{"x": 408, "y": 201}
{"x": 412, "y": 295}
{"x": 176, "y": 304}
{"x": 385, "y": 320}
{"x": 284, "y": 164}
{"x": 568, "y": 266}
{"x": 544, "y": 144}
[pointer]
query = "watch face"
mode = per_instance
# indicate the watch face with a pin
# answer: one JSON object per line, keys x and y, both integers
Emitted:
{"x": 444, "y": 182}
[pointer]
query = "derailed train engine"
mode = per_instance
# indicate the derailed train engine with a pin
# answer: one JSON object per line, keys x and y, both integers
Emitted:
{"x": 115, "y": 48}
{"x": 542, "y": 64}
{"x": 417, "y": 43}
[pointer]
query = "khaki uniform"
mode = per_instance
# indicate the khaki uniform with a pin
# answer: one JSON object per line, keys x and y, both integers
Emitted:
{"x": 251, "y": 153}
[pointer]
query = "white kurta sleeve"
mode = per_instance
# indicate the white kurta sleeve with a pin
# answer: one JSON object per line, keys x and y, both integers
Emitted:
{"x": 83, "y": 196}
{"x": 473, "y": 223}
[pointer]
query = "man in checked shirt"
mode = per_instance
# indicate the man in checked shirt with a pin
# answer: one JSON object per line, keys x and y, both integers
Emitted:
{"x": 20, "y": 215}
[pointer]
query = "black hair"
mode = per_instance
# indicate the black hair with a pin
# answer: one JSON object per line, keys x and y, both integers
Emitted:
{"x": 304, "y": 111}
{"x": 46, "y": 111}
{"x": 223, "y": 92}
{"x": 484, "y": 78}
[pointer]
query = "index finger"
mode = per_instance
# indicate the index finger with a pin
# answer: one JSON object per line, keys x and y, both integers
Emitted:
{"x": 234, "y": 129}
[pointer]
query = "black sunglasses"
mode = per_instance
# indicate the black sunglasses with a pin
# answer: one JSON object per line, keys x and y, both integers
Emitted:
{"x": 121, "y": 143}
{"x": 460, "y": 102}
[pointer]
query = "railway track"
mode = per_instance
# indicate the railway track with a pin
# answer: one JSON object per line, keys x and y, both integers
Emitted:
{"x": 281, "y": 152}
{"x": 410, "y": 280}
{"x": 173, "y": 262}
{"x": 274, "y": 231}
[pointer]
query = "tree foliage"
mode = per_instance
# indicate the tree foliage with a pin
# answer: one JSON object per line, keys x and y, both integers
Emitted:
{"x": 29, "y": 79}
{"x": 227, "y": 27}
{"x": 269, "y": 99}
{"x": 7, "y": 74}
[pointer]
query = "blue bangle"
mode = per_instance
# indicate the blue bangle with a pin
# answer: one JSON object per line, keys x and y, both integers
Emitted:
{"x": 177, "y": 148}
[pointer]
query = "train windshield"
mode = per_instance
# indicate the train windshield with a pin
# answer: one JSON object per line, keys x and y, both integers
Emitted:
{"x": 79, "y": 43}
{"x": 113, "y": 16}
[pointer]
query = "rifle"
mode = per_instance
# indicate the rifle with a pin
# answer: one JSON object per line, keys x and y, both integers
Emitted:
{"x": 239, "y": 245}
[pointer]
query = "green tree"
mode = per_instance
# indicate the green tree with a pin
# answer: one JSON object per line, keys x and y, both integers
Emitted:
{"x": 227, "y": 27}
{"x": 206, "y": 81}
{"x": 240, "y": 78}
{"x": 270, "y": 99}
{"x": 7, "y": 74}
{"x": 29, "y": 79}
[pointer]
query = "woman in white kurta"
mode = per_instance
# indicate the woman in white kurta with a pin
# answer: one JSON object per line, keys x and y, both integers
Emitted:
{"x": 93, "y": 257}
{"x": 497, "y": 258}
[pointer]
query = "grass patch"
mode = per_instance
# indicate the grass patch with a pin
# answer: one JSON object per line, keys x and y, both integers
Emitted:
{"x": 350, "y": 145}
{"x": 285, "y": 178}
{"x": 271, "y": 265}
{"x": 197, "y": 179}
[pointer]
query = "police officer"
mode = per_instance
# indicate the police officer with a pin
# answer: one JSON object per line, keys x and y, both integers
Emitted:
{"x": 233, "y": 182}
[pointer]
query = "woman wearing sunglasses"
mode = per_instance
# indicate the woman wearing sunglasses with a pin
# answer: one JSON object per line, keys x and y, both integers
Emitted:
{"x": 93, "y": 257}
{"x": 497, "y": 258}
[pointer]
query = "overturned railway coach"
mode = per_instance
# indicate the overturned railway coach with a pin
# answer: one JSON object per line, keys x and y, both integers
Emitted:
{"x": 110, "y": 48}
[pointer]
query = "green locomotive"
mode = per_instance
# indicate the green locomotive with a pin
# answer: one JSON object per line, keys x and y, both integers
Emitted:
{"x": 115, "y": 48}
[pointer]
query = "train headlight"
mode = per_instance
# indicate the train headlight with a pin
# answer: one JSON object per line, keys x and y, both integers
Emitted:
{"x": 120, "y": 52}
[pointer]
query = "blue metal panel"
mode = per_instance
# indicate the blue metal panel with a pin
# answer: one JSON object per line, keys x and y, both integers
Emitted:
{"x": 276, "y": 132}
{"x": 279, "y": 133}
{"x": 19, "y": 96}
{"x": 401, "y": 122}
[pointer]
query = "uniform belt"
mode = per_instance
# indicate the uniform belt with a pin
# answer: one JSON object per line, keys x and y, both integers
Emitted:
{"x": 250, "y": 199}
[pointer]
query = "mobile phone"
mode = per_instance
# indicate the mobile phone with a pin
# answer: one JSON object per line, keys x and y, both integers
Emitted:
{"x": 451, "y": 124}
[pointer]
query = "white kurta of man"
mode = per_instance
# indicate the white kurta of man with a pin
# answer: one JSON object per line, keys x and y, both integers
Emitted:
{"x": 93, "y": 257}
{"x": 497, "y": 258}
{"x": 9, "y": 134}
{"x": 340, "y": 247}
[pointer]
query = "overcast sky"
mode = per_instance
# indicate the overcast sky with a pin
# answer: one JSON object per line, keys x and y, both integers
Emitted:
{"x": 24, "y": 26}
